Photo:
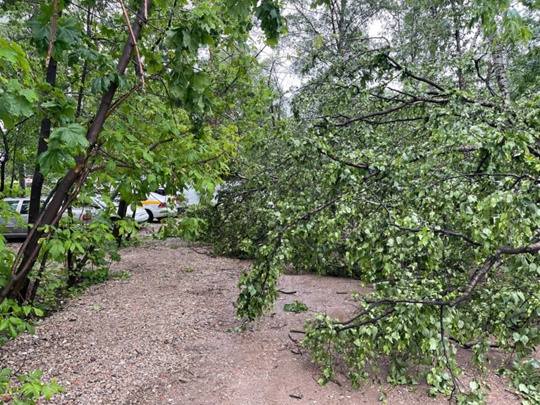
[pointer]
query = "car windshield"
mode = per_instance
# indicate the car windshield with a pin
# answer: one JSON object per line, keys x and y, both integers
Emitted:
{"x": 13, "y": 205}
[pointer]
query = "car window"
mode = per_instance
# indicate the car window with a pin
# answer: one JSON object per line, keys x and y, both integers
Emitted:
{"x": 25, "y": 206}
{"x": 158, "y": 197}
{"x": 13, "y": 205}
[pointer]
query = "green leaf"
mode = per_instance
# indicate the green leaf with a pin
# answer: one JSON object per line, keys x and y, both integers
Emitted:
{"x": 55, "y": 160}
{"x": 72, "y": 135}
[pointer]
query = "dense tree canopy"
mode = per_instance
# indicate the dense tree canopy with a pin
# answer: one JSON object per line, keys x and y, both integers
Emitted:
{"x": 407, "y": 158}
{"x": 133, "y": 95}
{"x": 410, "y": 163}
{"x": 117, "y": 98}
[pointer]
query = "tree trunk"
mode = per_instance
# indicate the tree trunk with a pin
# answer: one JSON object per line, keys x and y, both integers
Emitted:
{"x": 4, "y": 159}
{"x": 122, "y": 209}
{"x": 45, "y": 132}
{"x": 2, "y": 175}
{"x": 499, "y": 57}
{"x": 22, "y": 177}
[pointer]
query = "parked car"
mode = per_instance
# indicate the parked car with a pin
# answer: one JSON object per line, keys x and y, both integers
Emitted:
{"x": 140, "y": 213}
{"x": 84, "y": 212}
{"x": 157, "y": 206}
{"x": 87, "y": 212}
{"x": 17, "y": 225}
{"x": 178, "y": 202}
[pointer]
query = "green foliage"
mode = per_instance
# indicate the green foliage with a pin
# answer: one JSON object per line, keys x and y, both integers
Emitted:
{"x": 64, "y": 144}
{"x": 409, "y": 165}
{"x": 268, "y": 12}
{"x": 99, "y": 276}
{"x": 121, "y": 275}
{"x": 502, "y": 20}
{"x": 68, "y": 33}
{"x": 17, "y": 97}
{"x": 525, "y": 377}
{"x": 29, "y": 389}
{"x": 296, "y": 307}
{"x": 15, "y": 319}
{"x": 6, "y": 256}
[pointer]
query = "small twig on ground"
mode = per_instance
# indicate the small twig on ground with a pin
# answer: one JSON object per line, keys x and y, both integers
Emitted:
{"x": 512, "y": 392}
{"x": 201, "y": 252}
{"x": 293, "y": 339}
{"x": 286, "y": 292}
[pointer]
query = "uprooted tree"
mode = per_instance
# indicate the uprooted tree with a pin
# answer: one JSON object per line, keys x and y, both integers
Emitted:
{"x": 411, "y": 161}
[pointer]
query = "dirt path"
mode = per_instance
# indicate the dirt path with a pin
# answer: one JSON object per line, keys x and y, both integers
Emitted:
{"x": 167, "y": 335}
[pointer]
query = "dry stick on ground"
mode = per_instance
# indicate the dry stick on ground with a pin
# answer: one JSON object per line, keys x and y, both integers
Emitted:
{"x": 286, "y": 292}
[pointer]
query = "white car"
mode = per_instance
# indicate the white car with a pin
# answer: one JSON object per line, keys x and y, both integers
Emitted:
{"x": 15, "y": 228}
{"x": 158, "y": 206}
{"x": 86, "y": 213}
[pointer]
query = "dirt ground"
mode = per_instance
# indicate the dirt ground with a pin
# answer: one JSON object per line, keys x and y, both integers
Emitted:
{"x": 166, "y": 335}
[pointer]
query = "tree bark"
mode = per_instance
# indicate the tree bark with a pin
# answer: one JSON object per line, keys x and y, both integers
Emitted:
{"x": 121, "y": 212}
{"x": 4, "y": 160}
{"x": 499, "y": 60}
{"x": 44, "y": 134}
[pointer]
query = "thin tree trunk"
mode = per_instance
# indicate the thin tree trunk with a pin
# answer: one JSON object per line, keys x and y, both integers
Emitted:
{"x": 36, "y": 284}
{"x": 121, "y": 212}
{"x": 45, "y": 132}
{"x": 5, "y": 158}
{"x": 461, "y": 83}
{"x": 2, "y": 175}
{"x": 85, "y": 66}
{"x": 22, "y": 177}
{"x": 499, "y": 57}
{"x": 13, "y": 167}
